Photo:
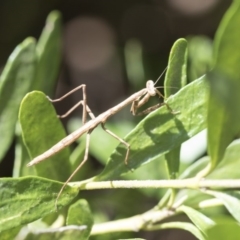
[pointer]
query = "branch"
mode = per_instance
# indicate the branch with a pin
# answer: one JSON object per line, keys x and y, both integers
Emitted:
{"x": 179, "y": 184}
{"x": 135, "y": 223}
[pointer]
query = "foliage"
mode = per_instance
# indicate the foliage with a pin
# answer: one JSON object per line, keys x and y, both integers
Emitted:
{"x": 197, "y": 190}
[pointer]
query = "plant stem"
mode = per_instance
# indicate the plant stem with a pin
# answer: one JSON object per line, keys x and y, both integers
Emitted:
{"x": 135, "y": 223}
{"x": 177, "y": 184}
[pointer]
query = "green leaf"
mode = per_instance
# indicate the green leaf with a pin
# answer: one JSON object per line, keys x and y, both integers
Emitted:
{"x": 63, "y": 233}
{"x": 173, "y": 160}
{"x": 195, "y": 168}
{"x": 223, "y": 111}
{"x": 226, "y": 42}
{"x": 26, "y": 199}
{"x": 176, "y": 76}
{"x": 230, "y": 202}
{"x": 191, "y": 197}
{"x": 80, "y": 214}
{"x": 184, "y": 226}
{"x": 175, "y": 79}
{"x": 15, "y": 82}
{"x": 6, "y": 235}
{"x": 200, "y": 220}
{"x": 223, "y": 115}
{"x": 225, "y": 229}
{"x": 21, "y": 156}
{"x": 49, "y": 54}
{"x": 41, "y": 129}
{"x": 161, "y": 131}
{"x": 228, "y": 168}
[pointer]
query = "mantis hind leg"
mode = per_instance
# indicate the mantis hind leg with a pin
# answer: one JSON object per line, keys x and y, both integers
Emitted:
{"x": 120, "y": 140}
{"x": 77, "y": 169}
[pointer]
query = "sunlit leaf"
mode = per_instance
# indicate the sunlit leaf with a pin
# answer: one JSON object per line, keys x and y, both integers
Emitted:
{"x": 80, "y": 214}
{"x": 41, "y": 129}
{"x": 26, "y": 199}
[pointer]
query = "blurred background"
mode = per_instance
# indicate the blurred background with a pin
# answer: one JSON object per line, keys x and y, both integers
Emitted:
{"x": 113, "y": 46}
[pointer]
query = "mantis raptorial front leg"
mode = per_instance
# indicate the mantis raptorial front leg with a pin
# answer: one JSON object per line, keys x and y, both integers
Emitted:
{"x": 141, "y": 101}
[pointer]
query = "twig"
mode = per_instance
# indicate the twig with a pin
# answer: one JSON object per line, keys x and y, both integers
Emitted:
{"x": 177, "y": 184}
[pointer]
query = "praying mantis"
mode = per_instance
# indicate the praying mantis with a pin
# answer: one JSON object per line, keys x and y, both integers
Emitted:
{"x": 136, "y": 100}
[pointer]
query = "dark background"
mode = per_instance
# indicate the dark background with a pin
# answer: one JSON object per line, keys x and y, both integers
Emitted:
{"x": 95, "y": 37}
